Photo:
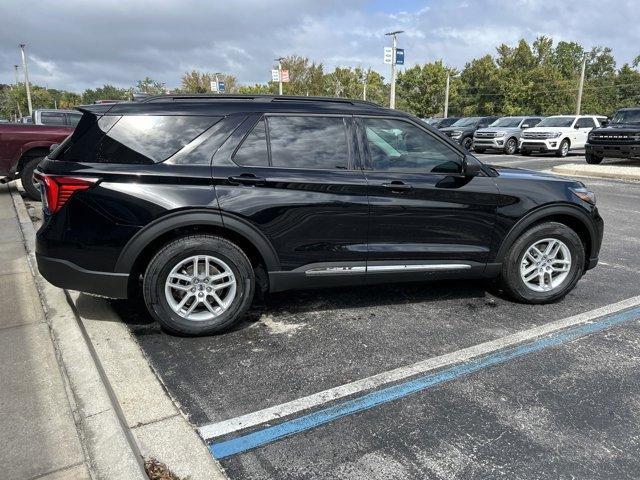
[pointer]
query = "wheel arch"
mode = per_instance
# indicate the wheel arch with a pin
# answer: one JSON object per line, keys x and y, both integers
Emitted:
{"x": 567, "y": 214}
{"x": 141, "y": 247}
{"x": 33, "y": 151}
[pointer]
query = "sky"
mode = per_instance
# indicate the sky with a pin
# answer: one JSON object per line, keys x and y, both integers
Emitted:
{"x": 79, "y": 44}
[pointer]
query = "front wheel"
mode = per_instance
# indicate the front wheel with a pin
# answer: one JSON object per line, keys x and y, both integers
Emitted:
{"x": 30, "y": 185}
{"x": 199, "y": 285}
{"x": 543, "y": 264}
{"x": 511, "y": 146}
{"x": 563, "y": 150}
{"x": 593, "y": 159}
{"x": 467, "y": 143}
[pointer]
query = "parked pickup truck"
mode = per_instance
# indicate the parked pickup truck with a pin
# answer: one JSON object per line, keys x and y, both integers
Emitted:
{"x": 620, "y": 138}
{"x": 22, "y": 147}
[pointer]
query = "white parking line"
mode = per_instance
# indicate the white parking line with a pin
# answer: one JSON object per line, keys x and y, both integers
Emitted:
{"x": 276, "y": 412}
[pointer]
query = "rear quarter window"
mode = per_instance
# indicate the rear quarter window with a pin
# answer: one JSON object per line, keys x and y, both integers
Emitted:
{"x": 141, "y": 139}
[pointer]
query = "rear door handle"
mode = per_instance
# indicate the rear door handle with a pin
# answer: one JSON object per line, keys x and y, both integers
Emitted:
{"x": 247, "y": 179}
{"x": 397, "y": 186}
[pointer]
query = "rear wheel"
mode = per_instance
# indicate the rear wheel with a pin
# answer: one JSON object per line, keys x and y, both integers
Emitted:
{"x": 30, "y": 185}
{"x": 511, "y": 146}
{"x": 543, "y": 264}
{"x": 563, "y": 149}
{"x": 593, "y": 159}
{"x": 199, "y": 285}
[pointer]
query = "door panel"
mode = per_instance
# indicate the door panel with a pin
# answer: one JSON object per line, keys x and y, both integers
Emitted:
{"x": 310, "y": 215}
{"x": 422, "y": 208}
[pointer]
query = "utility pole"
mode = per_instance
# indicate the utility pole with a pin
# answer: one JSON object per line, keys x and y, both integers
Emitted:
{"x": 26, "y": 78}
{"x": 579, "y": 104}
{"x": 279, "y": 60}
{"x": 392, "y": 97}
{"x": 446, "y": 97}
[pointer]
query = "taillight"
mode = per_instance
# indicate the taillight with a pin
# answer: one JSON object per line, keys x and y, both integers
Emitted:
{"x": 58, "y": 189}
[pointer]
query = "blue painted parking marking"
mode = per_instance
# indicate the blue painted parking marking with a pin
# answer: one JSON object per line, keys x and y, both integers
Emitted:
{"x": 306, "y": 422}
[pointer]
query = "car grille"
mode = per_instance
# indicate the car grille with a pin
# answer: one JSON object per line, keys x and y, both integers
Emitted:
{"x": 485, "y": 135}
{"x": 614, "y": 138}
{"x": 537, "y": 135}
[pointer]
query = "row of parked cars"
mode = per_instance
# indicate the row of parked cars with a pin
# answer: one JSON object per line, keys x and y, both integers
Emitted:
{"x": 557, "y": 134}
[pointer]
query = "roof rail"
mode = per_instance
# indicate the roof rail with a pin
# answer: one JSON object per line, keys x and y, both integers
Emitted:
{"x": 255, "y": 98}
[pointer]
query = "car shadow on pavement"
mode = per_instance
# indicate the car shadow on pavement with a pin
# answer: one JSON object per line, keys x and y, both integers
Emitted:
{"x": 295, "y": 302}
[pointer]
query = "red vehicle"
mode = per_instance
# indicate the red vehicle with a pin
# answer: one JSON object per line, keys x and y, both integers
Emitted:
{"x": 22, "y": 147}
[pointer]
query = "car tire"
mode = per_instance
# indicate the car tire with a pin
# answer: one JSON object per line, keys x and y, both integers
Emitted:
{"x": 563, "y": 149}
{"x": 593, "y": 159}
{"x": 176, "y": 258}
{"x": 26, "y": 177}
{"x": 525, "y": 153}
{"x": 511, "y": 146}
{"x": 517, "y": 262}
{"x": 467, "y": 143}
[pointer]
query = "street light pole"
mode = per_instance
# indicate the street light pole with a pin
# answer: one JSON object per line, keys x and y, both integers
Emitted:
{"x": 579, "y": 103}
{"x": 446, "y": 97}
{"x": 26, "y": 77}
{"x": 392, "y": 96}
{"x": 279, "y": 60}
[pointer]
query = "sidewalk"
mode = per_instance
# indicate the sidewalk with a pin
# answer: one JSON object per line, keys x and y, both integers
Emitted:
{"x": 38, "y": 436}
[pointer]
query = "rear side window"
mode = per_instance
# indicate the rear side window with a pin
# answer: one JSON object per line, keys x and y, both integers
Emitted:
{"x": 253, "y": 151}
{"x": 141, "y": 139}
{"x": 585, "y": 123}
{"x": 74, "y": 118}
{"x": 52, "y": 118}
{"x": 308, "y": 142}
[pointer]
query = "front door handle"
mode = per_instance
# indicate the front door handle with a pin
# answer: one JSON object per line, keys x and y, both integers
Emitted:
{"x": 397, "y": 186}
{"x": 247, "y": 179}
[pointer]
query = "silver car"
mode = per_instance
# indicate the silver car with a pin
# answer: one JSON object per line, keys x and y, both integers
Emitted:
{"x": 503, "y": 134}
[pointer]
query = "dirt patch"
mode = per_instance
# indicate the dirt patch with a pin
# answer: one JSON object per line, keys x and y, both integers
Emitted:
{"x": 157, "y": 470}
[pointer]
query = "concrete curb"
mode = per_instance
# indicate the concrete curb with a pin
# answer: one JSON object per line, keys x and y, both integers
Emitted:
{"x": 598, "y": 171}
{"x": 109, "y": 447}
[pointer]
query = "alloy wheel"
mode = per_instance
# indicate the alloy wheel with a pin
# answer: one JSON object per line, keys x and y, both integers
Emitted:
{"x": 200, "y": 287}
{"x": 545, "y": 265}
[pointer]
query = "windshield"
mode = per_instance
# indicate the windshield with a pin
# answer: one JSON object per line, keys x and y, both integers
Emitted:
{"x": 626, "y": 116}
{"x": 466, "y": 122}
{"x": 557, "y": 122}
{"x": 509, "y": 122}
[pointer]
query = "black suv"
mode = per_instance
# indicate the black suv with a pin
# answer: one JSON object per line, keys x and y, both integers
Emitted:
{"x": 197, "y": 203}
{"x": 462, "y": 130}
{"x": 620, "y": 138}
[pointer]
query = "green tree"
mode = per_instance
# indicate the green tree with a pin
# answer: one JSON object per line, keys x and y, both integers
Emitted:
{"x": 106, "y": 92}
{"x": 200, "y": 82}
{"x": 150, "y": 86}
{"x": 421, "y": 89}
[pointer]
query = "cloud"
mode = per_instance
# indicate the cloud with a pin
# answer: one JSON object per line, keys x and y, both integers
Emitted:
{"x": 77, "y": 44}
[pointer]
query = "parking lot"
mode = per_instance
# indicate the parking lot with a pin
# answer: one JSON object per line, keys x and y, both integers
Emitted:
{"x": 352, "y": 370}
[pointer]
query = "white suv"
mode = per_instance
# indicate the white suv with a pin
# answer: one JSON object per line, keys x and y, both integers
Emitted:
{"x": 559, "y": 134}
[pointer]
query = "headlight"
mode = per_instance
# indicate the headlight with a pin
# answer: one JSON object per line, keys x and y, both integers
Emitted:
{"x": 555, "y": 134}
{"x": 501, "y": 133}
{"x": 456, "y": 133}
{"x": 585, "y": 194}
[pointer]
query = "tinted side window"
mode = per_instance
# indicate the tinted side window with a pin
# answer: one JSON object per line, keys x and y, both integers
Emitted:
{"x": 52, "y": 118}
{"x": 147, "y": 138}
{"x": 308, "y": 142}
{"x": 585, "y": 123}
{"x": 74, "y": 118}
{"x": 253, "y": 151}
{"x": 399, "y": 146}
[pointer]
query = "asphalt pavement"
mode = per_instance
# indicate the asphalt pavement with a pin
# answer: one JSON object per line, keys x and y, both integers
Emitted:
{"x": 372, "y": 407}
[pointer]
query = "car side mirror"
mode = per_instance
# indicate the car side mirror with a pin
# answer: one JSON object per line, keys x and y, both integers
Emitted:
{"x": 577, "y": 126}
{"x": 604, "y": 123}
{"x": 53, "y": 147}
{"x": 470, "y": 167}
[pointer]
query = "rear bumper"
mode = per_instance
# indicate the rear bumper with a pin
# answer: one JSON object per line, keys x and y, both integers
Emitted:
{"x": 65, "y": 274}
{"x": 613, "y": 151}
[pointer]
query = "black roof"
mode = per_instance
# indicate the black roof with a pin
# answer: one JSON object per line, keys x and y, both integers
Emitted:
{"x": 208, "y": 104}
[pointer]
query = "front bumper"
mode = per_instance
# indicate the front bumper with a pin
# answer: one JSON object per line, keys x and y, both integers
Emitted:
{"x": 613, "y": 150}
{"x": 496, "y": 143}
{"x": 65, "y": 274}
{"x": 533, "y": 145}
